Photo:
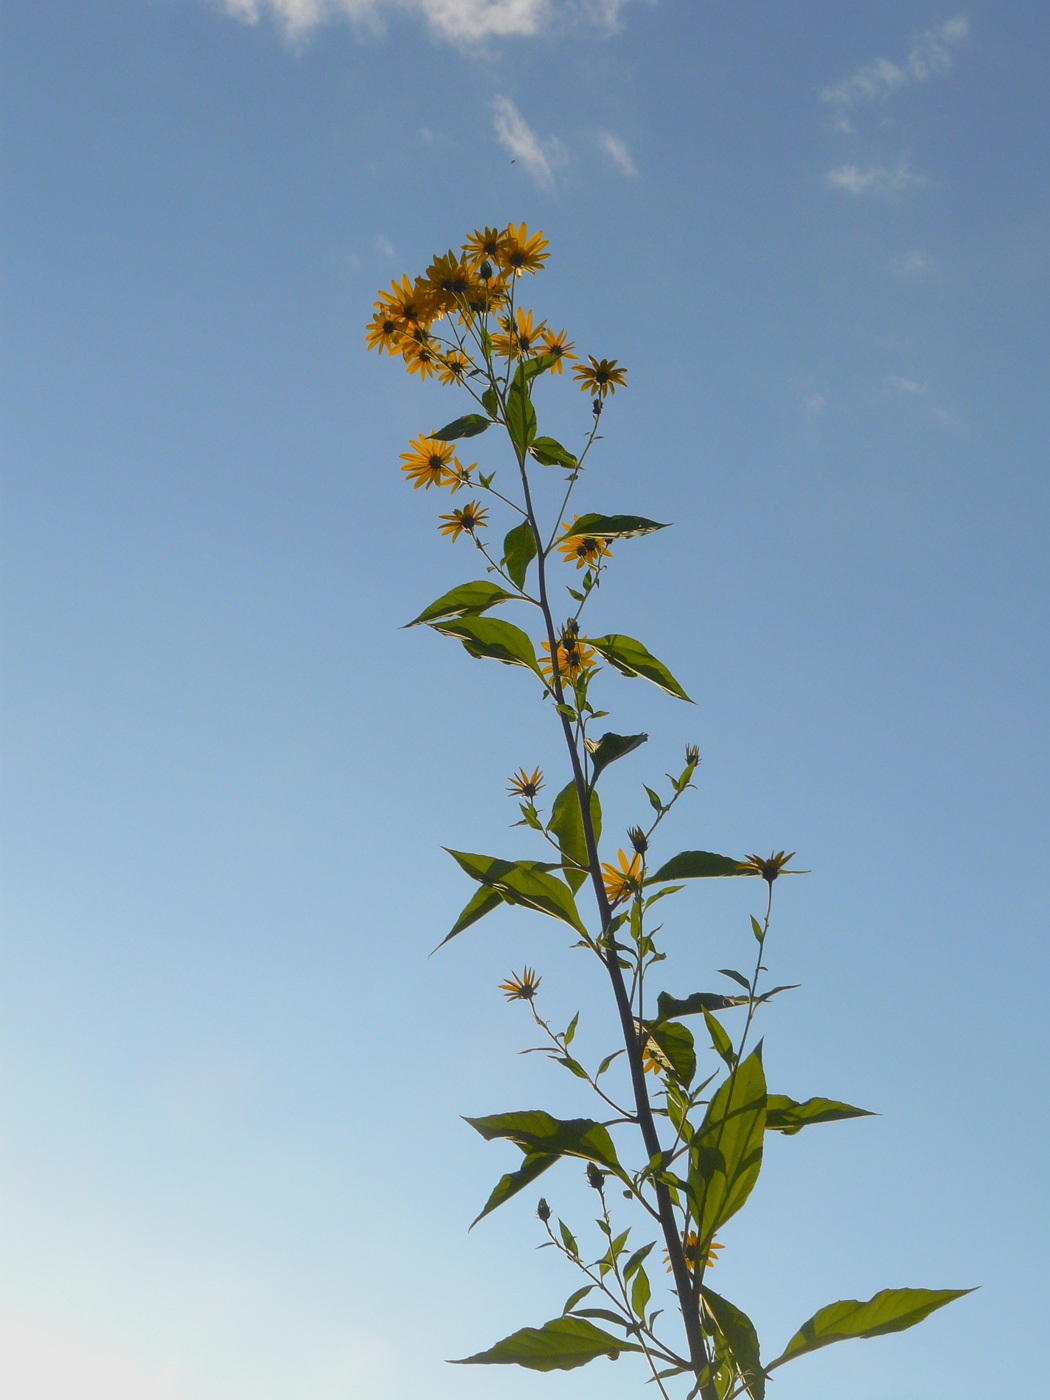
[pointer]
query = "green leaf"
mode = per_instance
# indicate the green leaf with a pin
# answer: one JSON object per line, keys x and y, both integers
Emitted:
{"x": 560, "y": 1345}
{"x": 696, "y": 865}
{"x": 640, "y": 1294}
{"x": 566, "y": 826}
{"x": 741, "y": 1339}
{"x": 490, "y": 402}
{"x": 636, "y": 1260}
{"x": 612, "y": 527}
{"x": 784, "y": 1115}
{"x": 570, "y": 1030}
{"x": 720, "y": 1039}
{"x": 609, "y": 748}
{"x": 521, "y": 416}
{"x": 512, "y": 1182}
{"x": 467, "y": 598}
{"x": 727, "y": 1151}
{"x": 549, "y": 452}
{"x": 536, "y": 1131}
{"x": 574, "y": 1298}
{"x": 632, "y": 659}
{"x": 525, "y": 882}
{"x": 530, "y": 368}
{"x": 491, "y": 636}
{"x": 481, "y": 903}
{"x": 655, "y": 801}
{"x": 519, "y": 549}
{"x": 892, "y": 1310}
{"x": 676, "y": 1041}
{"x": 466, "y": 427}
{"x": 568, "y": 1239}
{"x": 668, "y": 1006}
{"x": 736, "y": 976}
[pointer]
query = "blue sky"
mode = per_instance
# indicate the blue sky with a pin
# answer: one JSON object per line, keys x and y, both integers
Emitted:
{"x": 233, "y": 1160}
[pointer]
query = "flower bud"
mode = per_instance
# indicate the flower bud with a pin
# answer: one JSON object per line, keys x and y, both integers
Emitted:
{"x": 692, "y": 755}
{"x": 595, "y": 1177}
{"x": 485, "y": 271}
{"x": 543, "y": 1210}
{"x": 637, "y": 839}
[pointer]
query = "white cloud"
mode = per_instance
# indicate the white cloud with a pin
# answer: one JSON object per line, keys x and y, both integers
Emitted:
{"x": 874, "y": 179}
{"x": 815, "y": 402}
{"x": 929, "y": 55}
{"x": 459, "y": 20}
{"x": 540, "y": 158}
{"x": 910, "y": 388}
{"x": 383, "y": 245}
{"x": 38, "y": 1364}
{"x": 912, "y": 264}
{"x": 617, "y": 152}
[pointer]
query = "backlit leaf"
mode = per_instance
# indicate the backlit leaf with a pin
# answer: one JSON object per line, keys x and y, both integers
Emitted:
{"x": 467, "y": 597}
{"x": 668, "y": 1006}
{"x": 892, "y": 1310}
{"x": 566, "y": 826}
{"x": 466, "y": 427}
{"x": 741, "y": 1340}
{"x": 696, "y": 865}
{"x": 549, "y": 452}
{"x": 534, "y": 1131}
{"x": 784, "y": 1115}
{"x": 519, "y": 549}
{"x": 560, "y": 1345}
{"x": 726, "y": 1156}
{"x": 632, "y": 659}
{"x": 492, "y": 637}
{"x": 481, "y": 903}
{"x": 609, "y": 748}
{"x": 612, "y": 527}
{"x": 512, "y": 1182}
{"x": 525, "y": 882}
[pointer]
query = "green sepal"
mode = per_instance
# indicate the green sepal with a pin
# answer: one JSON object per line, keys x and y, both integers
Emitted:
{"x": 494, "y": 638}
{"x": 566, "y": 826}
{"x": 536, "y": 1131}
{"x": 726, "y": 1154}
{"x": 527, "y": 882}
{"x": 519, "y": 550}
{"x": 559, "y": 1345}
{"x": 631, "y": 659}
{"x": 738, "y": 1332}
{"x": 784, "y": 1115}
{"x": 511, "y": 1183}
{"x": 612, "y": 527}
{"x": 465, "y": 598}
{"x": 696, "y": 865}
{"x": 466, "y": 427}
{"x": 609, "y": 748}
{"x": 549, "y": 452}
{"x": 891, "y": 1310}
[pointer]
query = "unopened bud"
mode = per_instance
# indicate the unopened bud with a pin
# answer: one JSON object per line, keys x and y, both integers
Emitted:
{"x": 596, "y": 408}
{"x": 543, "y": 1210}
{"x": 637, "y": 838}
{"x": 485, "y": 271}
{"x": 595, "y": 1178}
{"x": 692, "y": 754}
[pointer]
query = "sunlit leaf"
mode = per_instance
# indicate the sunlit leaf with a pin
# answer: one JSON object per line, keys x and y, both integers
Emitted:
{"x": 892, "y": 1310}
{"x": 521, "y": 416}
{"x": 696, "y": 865}
{"x": 609, "y": 748}
{"x": 560, "y": 1345}
{"x": 741, "y": 1340}
{"x": 566, "y": 826}
{"x": 466, "y": 427}
{"x": 534, "y": 1165}
{"x": 519, "y": 549}
{"x": 727, "y": 1151}
{"x": 535, "y": 1131}
{"x": 784, "y": 1115}
{"x": 492, "y": 637}
{"x": 612, "y": 527}
{"x": 549, "y": 452}
{"x": 466, "y": 598}
{"x": 632, "y": 659}
{"x": 526, "y": 882}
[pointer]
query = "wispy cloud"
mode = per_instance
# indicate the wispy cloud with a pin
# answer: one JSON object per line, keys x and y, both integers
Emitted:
{"x": 912, "y": 264}
{"x": 930, "y": 55}
{"x": 383, "y": 245}
{"x": 909, "y": 388}
{"x": 874, "y": 179}
{"x": 617, "y": 152}
{"x": 815, "y": 403}
{"x": 540, "y": 158}
{"x": 463, "y": 21}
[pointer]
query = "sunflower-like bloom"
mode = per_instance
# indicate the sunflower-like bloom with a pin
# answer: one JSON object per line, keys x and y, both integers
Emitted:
{"x": 587, "y": 550}
{"x": 384, "y": 332}
{"x": 768, "y": 869}
{"x": 448, "y": 281}
{"x": 454, "y": 367}
{"x": 420, "y": 354}
{"x": 472, "y": 517}
{"x": 521, "y": 784}
{"x": 575, "y": 658}
{"x": 522, "y": 252}
{"x": 621, "y": 884}
{"x": 600, "y": 377}
{"x": 410, "y": 302}
{"x": 521, "y": 988}
{"x": 428, "y": 462}
{"x": 519, "y": 340}
{"x": 485, "y": 245}
{"x": 556, "y": 344}
{"x": 691, "y": 1245}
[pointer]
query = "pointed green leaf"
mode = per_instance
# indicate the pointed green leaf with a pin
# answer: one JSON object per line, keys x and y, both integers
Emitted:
{"x": 726, "y": 1156}
{"x": 892, "y": 1310}
{"x": 525, "y": 882}
{"x": 530, "y": 368}
{"x": 719, "y": 1038}
{"x": 668, "y": 1006}
{"x": 467, "y": 598}
{"x": 466, "y": 427}
{"x": 481, "y": 903}
{"x": 737, "y": 977}
{"x": 536, "y": 1131}
{"x": 640, "y": 1294}
{"x": 636, "y": 1260}
{"x": 609, "y": 748}
{"x": 574, "y": 1298}
{"x": 612, "y": 527}
{"x": 696, "y": 865}
{"x": 568, "y": 1239}
{"x": 549, "y": 452}
{"x": 521, "y": 416}
{"x": 490, "y": 402}
{"x": 676, "y": 1041}
{"x": 519, "y": 550}
{"x": 560, "y": 1345}
{"x": 741, "y": 1341}
{"x": 655, "y": 800}
{"x": 632, "y": 659}
{"x": 784, "y": 1115}
{"x": 512, "y": 1182}
{"x": 566, "y": 826}
{"x": 491, "y": 636}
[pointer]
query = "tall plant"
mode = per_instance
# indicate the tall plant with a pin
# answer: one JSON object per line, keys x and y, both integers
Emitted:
{"x": 683, "y": 1152}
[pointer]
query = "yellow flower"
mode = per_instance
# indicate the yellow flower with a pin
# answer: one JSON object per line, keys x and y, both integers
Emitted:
{"x": 419, "y": 353}
{"x": 621, "y": 884}
{"x": 575, "y": 658}
{"x": 558, "y": 345}
{"x": 585, "y": 549}
{"x": 448, "y": 280}
{"x": 485, "y": 245}
{"x": 522, "y": 785}
{"x": 409, "y": 302}
{"x": 461, "y": 474}
{"x": 600, "y": 377}
{"x": 521, "y": 336}
{"x": 427, "y": 463}
{"x": 454, "y": 367}
{"x": 521, "y": 988}
{"x": 384, "y": 332}
{"x": 470, "y": 518}
{"x": 691, "y": 1244}
{"x": 768, "y": 869}
{"x": 520, "y": 252}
